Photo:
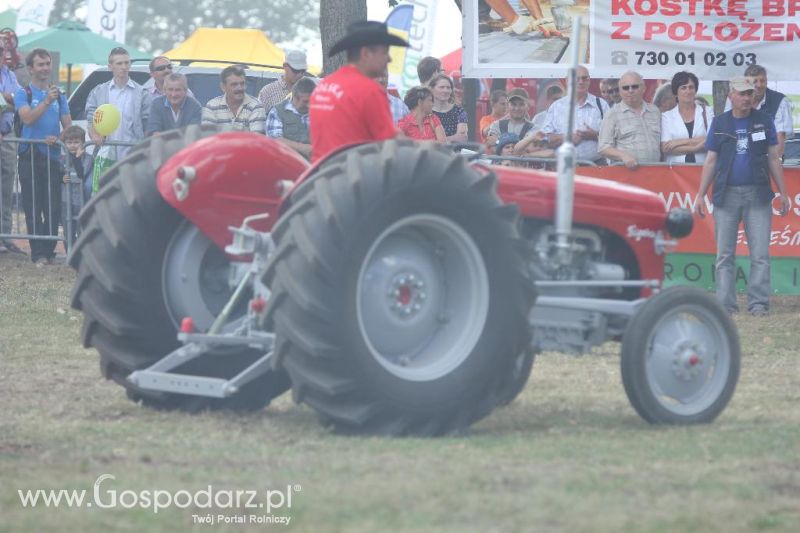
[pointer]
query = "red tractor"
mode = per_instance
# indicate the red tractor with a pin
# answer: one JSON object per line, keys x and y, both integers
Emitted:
{"x": 397, "y": 288}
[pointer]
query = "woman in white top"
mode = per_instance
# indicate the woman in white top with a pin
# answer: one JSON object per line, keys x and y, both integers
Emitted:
{"x": 684, "y": 127}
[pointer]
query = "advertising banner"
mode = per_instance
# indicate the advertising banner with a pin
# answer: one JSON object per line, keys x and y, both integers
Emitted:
{"x": 692, "y": 261}
{"x": 415, "y": 22}
{"x": 108, "y": 18}
{"x": 714, "y": 39}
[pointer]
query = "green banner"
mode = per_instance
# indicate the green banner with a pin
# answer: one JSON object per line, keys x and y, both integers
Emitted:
{"x": 698, "y": 270}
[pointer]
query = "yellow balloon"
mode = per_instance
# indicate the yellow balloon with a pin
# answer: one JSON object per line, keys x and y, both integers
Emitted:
{"x": 106, "y": 119}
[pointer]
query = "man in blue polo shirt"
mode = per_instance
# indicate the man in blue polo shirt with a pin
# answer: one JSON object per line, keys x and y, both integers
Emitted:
{"x": 44, "y": 111}
{"x": 743, "y": 153}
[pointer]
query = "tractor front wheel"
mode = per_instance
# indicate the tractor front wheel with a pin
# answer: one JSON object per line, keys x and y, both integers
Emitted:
{"x": 680, "y": 358}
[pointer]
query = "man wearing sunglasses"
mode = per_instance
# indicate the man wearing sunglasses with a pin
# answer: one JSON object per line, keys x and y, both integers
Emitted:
{"x": 631, "y": 130}
{"x": 294, "y": 68}
{"x": 160, "y": 68}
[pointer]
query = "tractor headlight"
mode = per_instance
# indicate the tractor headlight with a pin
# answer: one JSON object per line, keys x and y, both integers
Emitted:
{"x": 679, "y": 223}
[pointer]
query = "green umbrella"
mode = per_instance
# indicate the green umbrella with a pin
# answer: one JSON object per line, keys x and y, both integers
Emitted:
{"x": 76, "y": 44}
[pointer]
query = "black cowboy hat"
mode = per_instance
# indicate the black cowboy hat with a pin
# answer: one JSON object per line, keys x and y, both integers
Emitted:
{"x": 365, "y": 33}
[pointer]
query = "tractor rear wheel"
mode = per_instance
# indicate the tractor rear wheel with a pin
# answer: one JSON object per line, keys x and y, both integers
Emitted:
{"x": 518, "y": 377}
{"x": 400, "y": 292}
{"x": 680, "y": 358}
{"x": 141, "y": 268}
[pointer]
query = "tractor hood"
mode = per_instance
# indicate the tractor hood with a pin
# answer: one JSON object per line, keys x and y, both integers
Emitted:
{"x": 625, "y": 209}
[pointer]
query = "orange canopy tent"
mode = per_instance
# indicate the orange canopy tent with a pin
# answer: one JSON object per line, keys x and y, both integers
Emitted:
{"x": 229, "y": 45}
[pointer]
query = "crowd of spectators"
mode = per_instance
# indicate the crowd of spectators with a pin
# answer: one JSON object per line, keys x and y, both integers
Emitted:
{"x": 39, "y": 112}
{"x": 619, "y": 126}
{"x": 615, "y": 127}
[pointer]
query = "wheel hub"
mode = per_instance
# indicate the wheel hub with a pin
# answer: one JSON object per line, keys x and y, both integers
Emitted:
{"x": 195, "y": 277}
{"x": 407, "y": 295}
{"x": 688, "y": 361}
{"x": 423, "y": 297}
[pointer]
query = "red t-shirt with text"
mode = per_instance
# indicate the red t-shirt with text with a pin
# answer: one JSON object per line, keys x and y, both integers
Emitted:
{"x": 347, "y": 107}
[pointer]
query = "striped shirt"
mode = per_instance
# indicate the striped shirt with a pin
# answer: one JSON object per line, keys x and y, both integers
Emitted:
{"x": 250, "y": 117}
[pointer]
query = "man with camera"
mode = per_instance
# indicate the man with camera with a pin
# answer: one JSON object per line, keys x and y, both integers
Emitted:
{"x": 43, "y": 110}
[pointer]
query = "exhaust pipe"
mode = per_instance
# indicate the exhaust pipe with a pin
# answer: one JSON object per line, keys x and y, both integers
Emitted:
{"x": 565, "y": 188}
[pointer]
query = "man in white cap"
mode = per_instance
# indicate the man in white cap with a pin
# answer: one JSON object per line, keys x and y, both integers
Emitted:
{"x": 773, "y": 103}
{"x": 743, "y": 153}
{"x": 349, "y": 106}
{"x": 294, "y": 68}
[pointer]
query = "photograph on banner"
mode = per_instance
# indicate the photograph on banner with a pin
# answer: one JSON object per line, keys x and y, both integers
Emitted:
{"x": 530, "y": 38}
{"x": 714, "y": 40}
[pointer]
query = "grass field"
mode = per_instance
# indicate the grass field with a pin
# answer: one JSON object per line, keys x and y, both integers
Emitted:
{"x": 569, "y": 454}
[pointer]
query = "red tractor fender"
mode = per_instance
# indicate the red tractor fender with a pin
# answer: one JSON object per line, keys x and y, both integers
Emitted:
{"x": 218, "y": 181}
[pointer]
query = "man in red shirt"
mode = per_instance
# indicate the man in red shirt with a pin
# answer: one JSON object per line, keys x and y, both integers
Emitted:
{"x": 349, "y": 106}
